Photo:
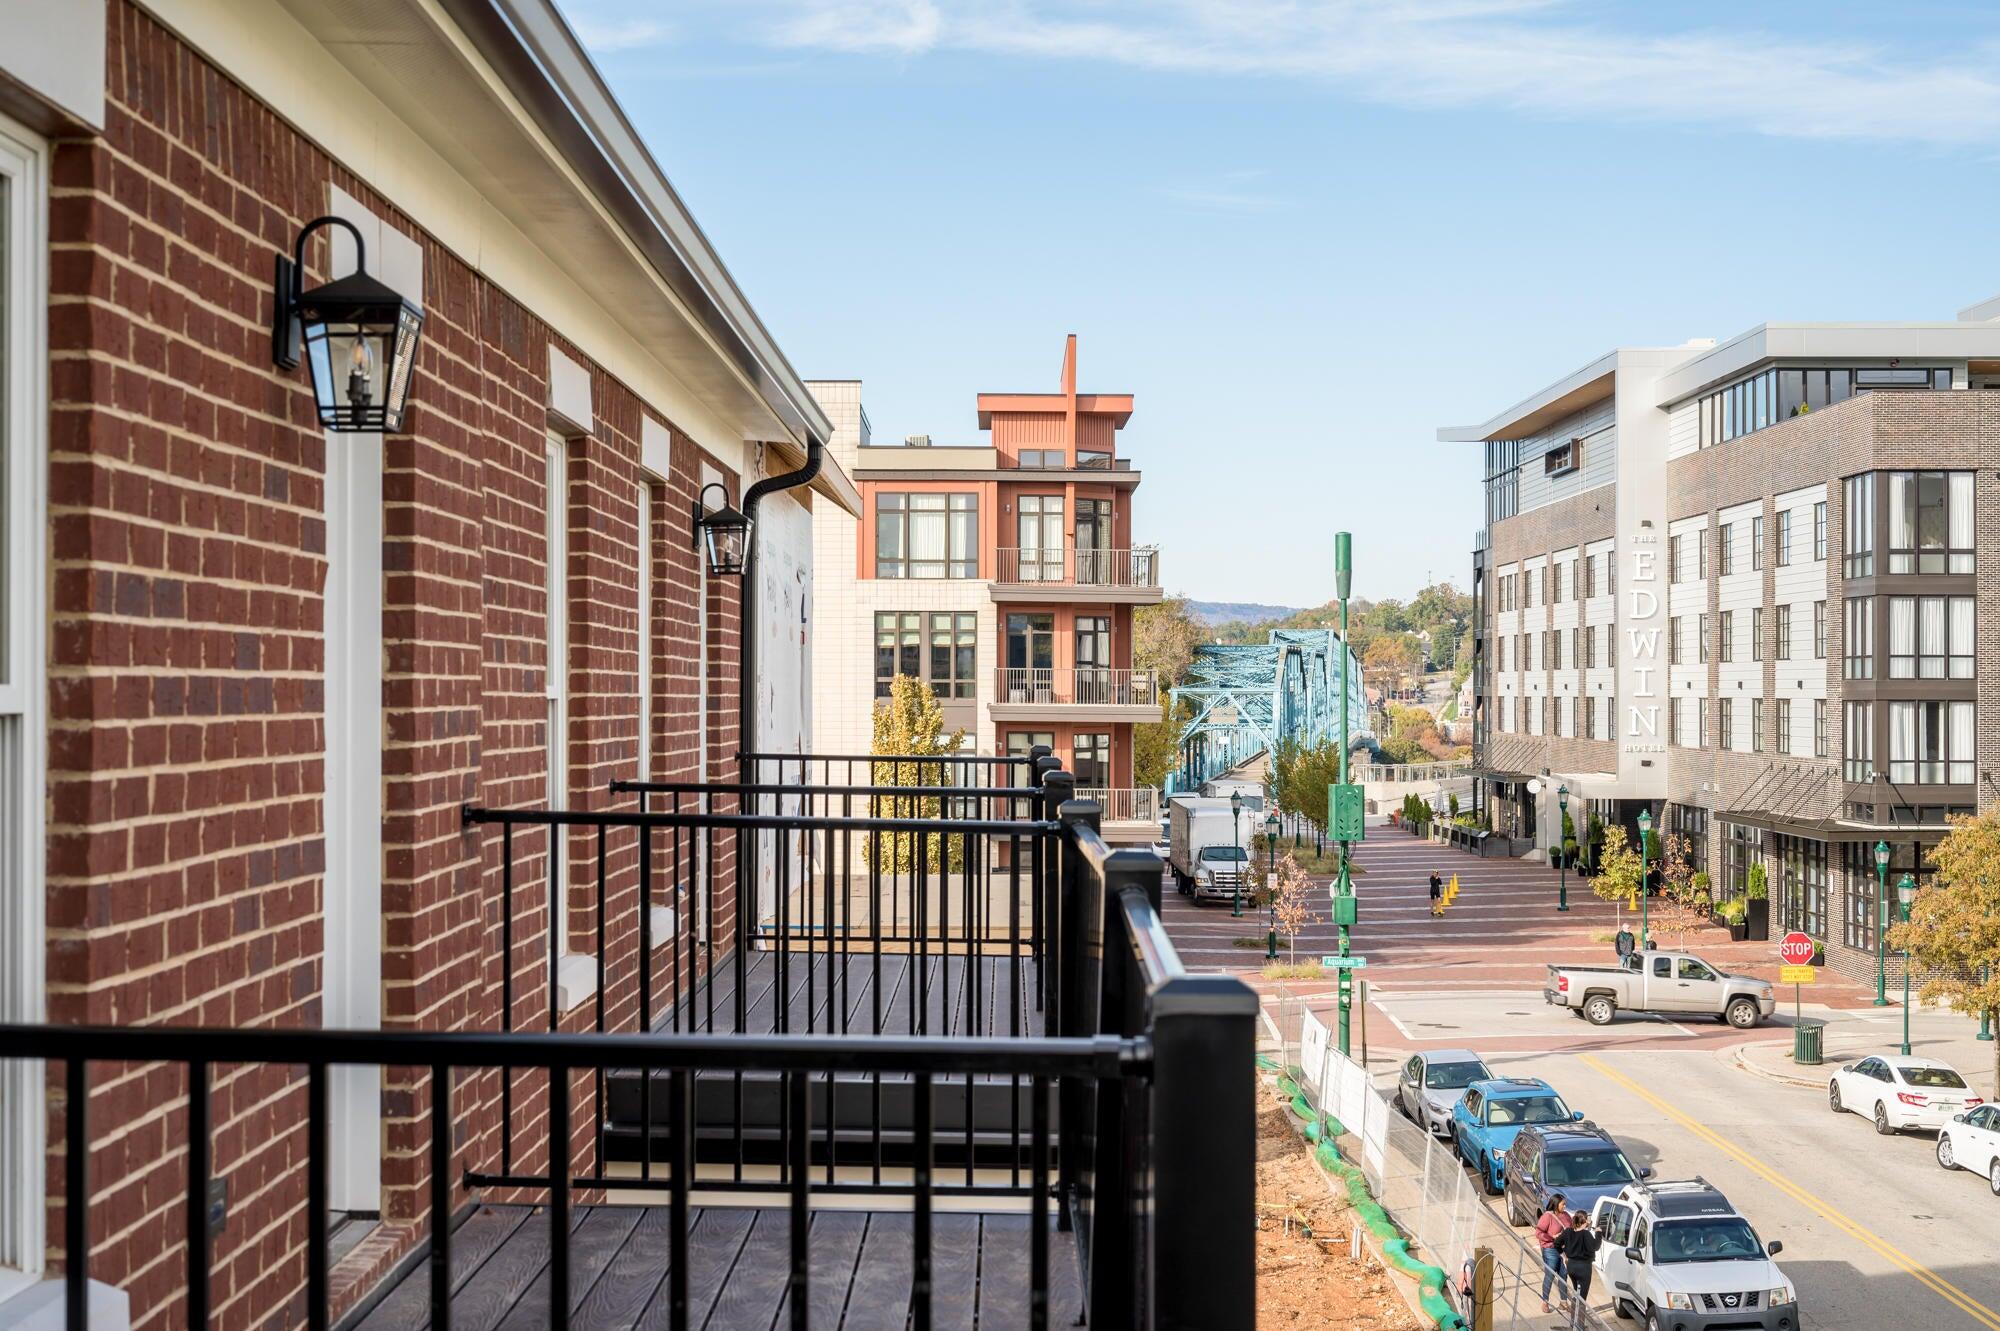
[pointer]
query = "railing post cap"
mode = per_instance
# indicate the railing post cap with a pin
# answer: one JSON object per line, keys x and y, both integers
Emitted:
{"x": 1204, "y": 996}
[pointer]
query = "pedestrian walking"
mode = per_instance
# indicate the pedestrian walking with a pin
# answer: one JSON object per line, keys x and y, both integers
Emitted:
{"x": 1579, "y": 1251}
{"x": 1549, "y": 1233}
{"x": 1437, "y": 893}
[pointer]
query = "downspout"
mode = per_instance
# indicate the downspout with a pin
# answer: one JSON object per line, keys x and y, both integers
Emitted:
{"x": 746, "y": 684}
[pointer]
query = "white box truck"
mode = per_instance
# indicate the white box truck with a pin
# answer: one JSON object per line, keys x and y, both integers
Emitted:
{"x": 1206, "y": 858}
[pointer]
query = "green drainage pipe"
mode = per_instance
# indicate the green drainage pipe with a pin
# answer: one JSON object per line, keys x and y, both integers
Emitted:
{"x": 1322, "y": 1132}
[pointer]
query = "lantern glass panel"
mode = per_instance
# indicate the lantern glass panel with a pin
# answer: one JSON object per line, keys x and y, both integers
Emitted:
{"x": 725, "y": 546}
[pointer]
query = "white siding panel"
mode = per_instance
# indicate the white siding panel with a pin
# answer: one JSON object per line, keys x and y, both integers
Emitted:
{"x": 1683, "y": 429}
{"x": 1595, "y": 426}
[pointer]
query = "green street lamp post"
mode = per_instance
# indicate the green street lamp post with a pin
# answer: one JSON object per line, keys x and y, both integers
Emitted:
{"x": 1271, "y": 885}
{"x": 1562, "y": 850}
{"x": 1343, "y": 581}
{"x": 1645, "y": 896}
{"x": 1881, "y": 924}
{"x": 1906, "y": 896}
{"x": 1236, "y": 839}
{"x": 1985, "y": 1014}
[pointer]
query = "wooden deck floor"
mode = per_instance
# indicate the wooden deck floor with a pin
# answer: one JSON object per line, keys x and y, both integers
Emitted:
{"x": 739, "y": 1258}
{"x": 864, "y": 994}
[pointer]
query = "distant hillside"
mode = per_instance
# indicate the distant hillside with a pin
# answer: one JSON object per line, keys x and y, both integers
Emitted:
{"x": 1227, "y": 612}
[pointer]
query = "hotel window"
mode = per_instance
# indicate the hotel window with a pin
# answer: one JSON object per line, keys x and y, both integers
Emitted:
{"x": 1701, "y": 637}
{"x": 899, "y": 648}
{"x": 1725, "y": 723}
{"x": 1701, "y": 553}
{"x": 1725, "y": 549}
{"x": 1819, "y": 727}
{"x": 1739, "y": 852}
{"x": 1589, "y": 718}
{"x": 1930, "y": 522}
{"x": 1858, "y": 930}
{"x": 1555, "y": 649}
{"x": 1527, "y": 589}
{"x": 1756, "y": 725}
{"x": 1819, "y": 531}
{"x": 1773, "y": 396}
{"x": 929, "y": 536}
{"x": 1589, "y": 571}
{"x": 1587, "y": 639}
{"x": 954, "y": 638}
{"x": 1674, "y": 626}
{"x": 1501, "y": 648}
{"x": 1700, "y": 722}
{"x": 1674, "y": 720}
{"x": 1857, "y": 742}
{"x": 1673, "y": 559}
{"x": 555, "y": 677}
{"x": 1819, "y": 630}
{"x": 1757, "y": 634}
{"x": 1784, "y": 736}
{"x": 1725, "y": 637}
{"x": 1860, "y": 612}
{"x": 1857, "y": 524}
{"x": 1757, "y": 543}
{"x": 1610, "y": 644}
{"x": 1931, "y": 637}
{"x": 1931, "y": 743}
{"x": 1557, "y": 576}
{"x": 1784, "y": 538}
{"x": 1783, "y": 643}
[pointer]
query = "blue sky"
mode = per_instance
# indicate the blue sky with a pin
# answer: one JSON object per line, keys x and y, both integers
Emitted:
{"x": 1306, "y": 233}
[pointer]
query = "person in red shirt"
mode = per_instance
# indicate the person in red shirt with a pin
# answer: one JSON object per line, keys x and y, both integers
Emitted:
{"x": 1549, "y": 1231}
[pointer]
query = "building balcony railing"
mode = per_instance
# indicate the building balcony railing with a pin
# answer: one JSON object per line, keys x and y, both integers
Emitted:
{"x": 1135, "y": 570}
{"x": 1140, "y": 805}
{"x": 1085, "y": 686}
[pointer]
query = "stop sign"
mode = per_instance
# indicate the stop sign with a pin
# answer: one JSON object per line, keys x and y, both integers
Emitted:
{"x": 1796, "y": 949}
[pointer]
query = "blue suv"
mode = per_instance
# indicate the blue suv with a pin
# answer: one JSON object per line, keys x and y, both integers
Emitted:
{"x": 1485, "y": 1122}
{"x": 1579, "y": 1160}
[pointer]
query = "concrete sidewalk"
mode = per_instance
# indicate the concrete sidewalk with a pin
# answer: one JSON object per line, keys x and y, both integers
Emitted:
{"x": 1856, "y": 1032}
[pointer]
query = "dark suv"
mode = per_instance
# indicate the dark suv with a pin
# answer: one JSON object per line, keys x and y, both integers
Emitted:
{"x": 1578, "y": 1160}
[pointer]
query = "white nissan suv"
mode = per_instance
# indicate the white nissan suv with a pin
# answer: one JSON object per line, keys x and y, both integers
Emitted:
{"x": 1678, "y": 1256}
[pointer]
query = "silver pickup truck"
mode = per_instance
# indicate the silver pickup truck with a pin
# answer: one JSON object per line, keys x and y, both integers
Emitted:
{"x": 1663, "y": 982}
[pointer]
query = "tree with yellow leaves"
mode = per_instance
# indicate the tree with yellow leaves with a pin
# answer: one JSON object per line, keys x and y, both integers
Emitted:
{"x": 1954, "y": 926}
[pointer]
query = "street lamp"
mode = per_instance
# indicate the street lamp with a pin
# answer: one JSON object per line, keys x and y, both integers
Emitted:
{"x": 1881, "y": 923}
{"x": 1236, "y": 834}
{"x": 1645, "y": 897}
{"x": 1534, "y": 788}
{"x": 1906, "y": 896}
{"x": 1562, "y": 850}
{"x": 1271, "y": 884}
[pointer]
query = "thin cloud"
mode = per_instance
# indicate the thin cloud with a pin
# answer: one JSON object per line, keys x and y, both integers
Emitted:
{"x": 1528, "y": 55}
{"x": 1231, "y": 192}
{"x": 626, "y": 35}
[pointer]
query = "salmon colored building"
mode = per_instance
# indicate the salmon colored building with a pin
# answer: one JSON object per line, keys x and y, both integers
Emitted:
{"x": 1004, "y": 574}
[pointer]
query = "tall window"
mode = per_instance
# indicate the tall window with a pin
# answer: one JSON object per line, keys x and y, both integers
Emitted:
{"x": 1931, "y": 743}
{"x": 555, "y": 680}
{"x": 1038, "y": 531}
{"x": 954, "y": 640}
{"x": 1031, "y": 656}
{"x": 1726, "y": 637}
{"x": 1858, "y": 929}
{"x": 1093, "y": 541}
{"x": 1674, "y": 627}
{"x": 1857, "y": 524}
{"x": 1819, "y": 727}
{"x": 1819, "y": 630}
{"x": 1700, "y": 722}
{"x": 1784, "y": 537}
{"x": 1819, "y": 531}
{"x": 1756, "y": 725}
{"x": 1757, "y": 542}
{"x": 1673, "y": 559}
{"x": 1757, "y": 634}
{"x": 932, "y": 536}
{"x": 1857, "y": 742}
{"x": 1930, "y": 522}
{"x": 1555, "y": 649}
{"x": 1725, "y": 549}
{"x": 1860, "y": 661}
{"x": 1931, "y": 637}
{"x": 1725, "y": 723}
{"x": 1701, "y": 637}
{"x": 899, "y": 647}
{"x": 1090, "y": 754}
{"x": 1783, "y": 740}
{"x": 1783, "y": 632}
{"x": 1556, "y": 580}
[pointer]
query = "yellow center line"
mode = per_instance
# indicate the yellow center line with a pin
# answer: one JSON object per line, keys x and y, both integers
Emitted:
{"x": 1951, "y": 1293}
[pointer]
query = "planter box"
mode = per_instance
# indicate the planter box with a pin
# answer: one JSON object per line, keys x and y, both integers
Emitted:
{"x": 1757, "y": 920}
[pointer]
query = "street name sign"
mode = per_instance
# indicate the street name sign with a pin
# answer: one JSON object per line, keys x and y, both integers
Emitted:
{"x": 1342, "y": 963}
{"x": 1795, "y": 949}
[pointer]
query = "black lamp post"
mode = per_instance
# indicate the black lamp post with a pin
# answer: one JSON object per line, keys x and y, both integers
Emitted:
{"x": 1881, "y": 924}
{"x": 1236, "y": 833}
{"x": 1906, "y": 896}
{"x": 1271, "y": 885}
{"x": 1645, "y": 897}
{"x": 1562, "y": 847}
{"x": 726, "y": 532}
{"x": 358, "y": 336}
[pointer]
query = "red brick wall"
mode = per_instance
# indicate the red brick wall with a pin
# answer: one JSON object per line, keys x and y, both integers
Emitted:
{"x": 188, "y": 727}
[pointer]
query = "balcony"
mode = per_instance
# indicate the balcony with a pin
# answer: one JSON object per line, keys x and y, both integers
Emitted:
{"x": 1139, "y": 807}
{"x": 1035, "y": 1116}
{"x": 1085, "y": 694}
{"x": 1121, "y": 577}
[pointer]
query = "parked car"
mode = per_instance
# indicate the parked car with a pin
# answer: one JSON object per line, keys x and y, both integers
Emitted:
{"x": 1972, "y": 1141}
{"x": 1900, "y": 1092}
{"x": 1578, "y": 1160}
{"x": 1667, "y": 982}
{"x": 1485, "y": 1120}
{"x": 1430, "y": 1085}
{"x": 1679, "y": 1255}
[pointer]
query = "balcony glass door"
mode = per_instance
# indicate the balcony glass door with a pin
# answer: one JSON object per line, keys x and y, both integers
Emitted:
{"x": 1039, "y": 526}
{"x": 1093, "y": 541}
{"x": 1095, "y": 682}
{"x": 1091, "y": 761}
{"x": 1031, "y": 658}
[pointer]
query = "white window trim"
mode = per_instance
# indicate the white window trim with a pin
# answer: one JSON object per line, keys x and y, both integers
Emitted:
{"x": 576, "y": 974}
{"x": 24, "y": 165}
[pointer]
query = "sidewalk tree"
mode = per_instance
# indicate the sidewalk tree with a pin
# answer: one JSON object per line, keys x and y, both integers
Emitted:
{"x": 1953, "y": 933}
{"x": 1292, "y": 893}
{"x": 910, "y": 722}
{"x": 1618, "y": 869}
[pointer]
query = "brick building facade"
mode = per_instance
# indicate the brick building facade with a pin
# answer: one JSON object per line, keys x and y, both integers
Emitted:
{"x": 200, "y": 679}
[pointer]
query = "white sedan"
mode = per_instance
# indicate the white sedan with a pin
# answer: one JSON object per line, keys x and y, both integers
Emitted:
{"x": 1972, "y": 1141}
{"x": 1899, "y": 1092}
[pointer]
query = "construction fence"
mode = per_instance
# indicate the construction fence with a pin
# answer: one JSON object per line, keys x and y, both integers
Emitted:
{"x": 1419, "y": 1180}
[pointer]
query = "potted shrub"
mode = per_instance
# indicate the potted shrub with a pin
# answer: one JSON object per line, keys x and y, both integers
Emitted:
{"x": 1757, "y": 904}
{"x": 1734, "y": 916}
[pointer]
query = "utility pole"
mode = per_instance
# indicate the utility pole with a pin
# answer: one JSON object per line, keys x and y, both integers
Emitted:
{"x": 1347, "y": 809}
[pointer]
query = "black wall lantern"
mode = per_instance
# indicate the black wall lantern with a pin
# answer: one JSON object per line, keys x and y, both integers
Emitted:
{"x": 726, "y": 531}
{"x": 360, "y": 339}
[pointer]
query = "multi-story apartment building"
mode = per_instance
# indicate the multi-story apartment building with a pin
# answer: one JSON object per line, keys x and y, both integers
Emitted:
{"x": 1740, "y": 586}
{"x": 1004, "y": 575}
